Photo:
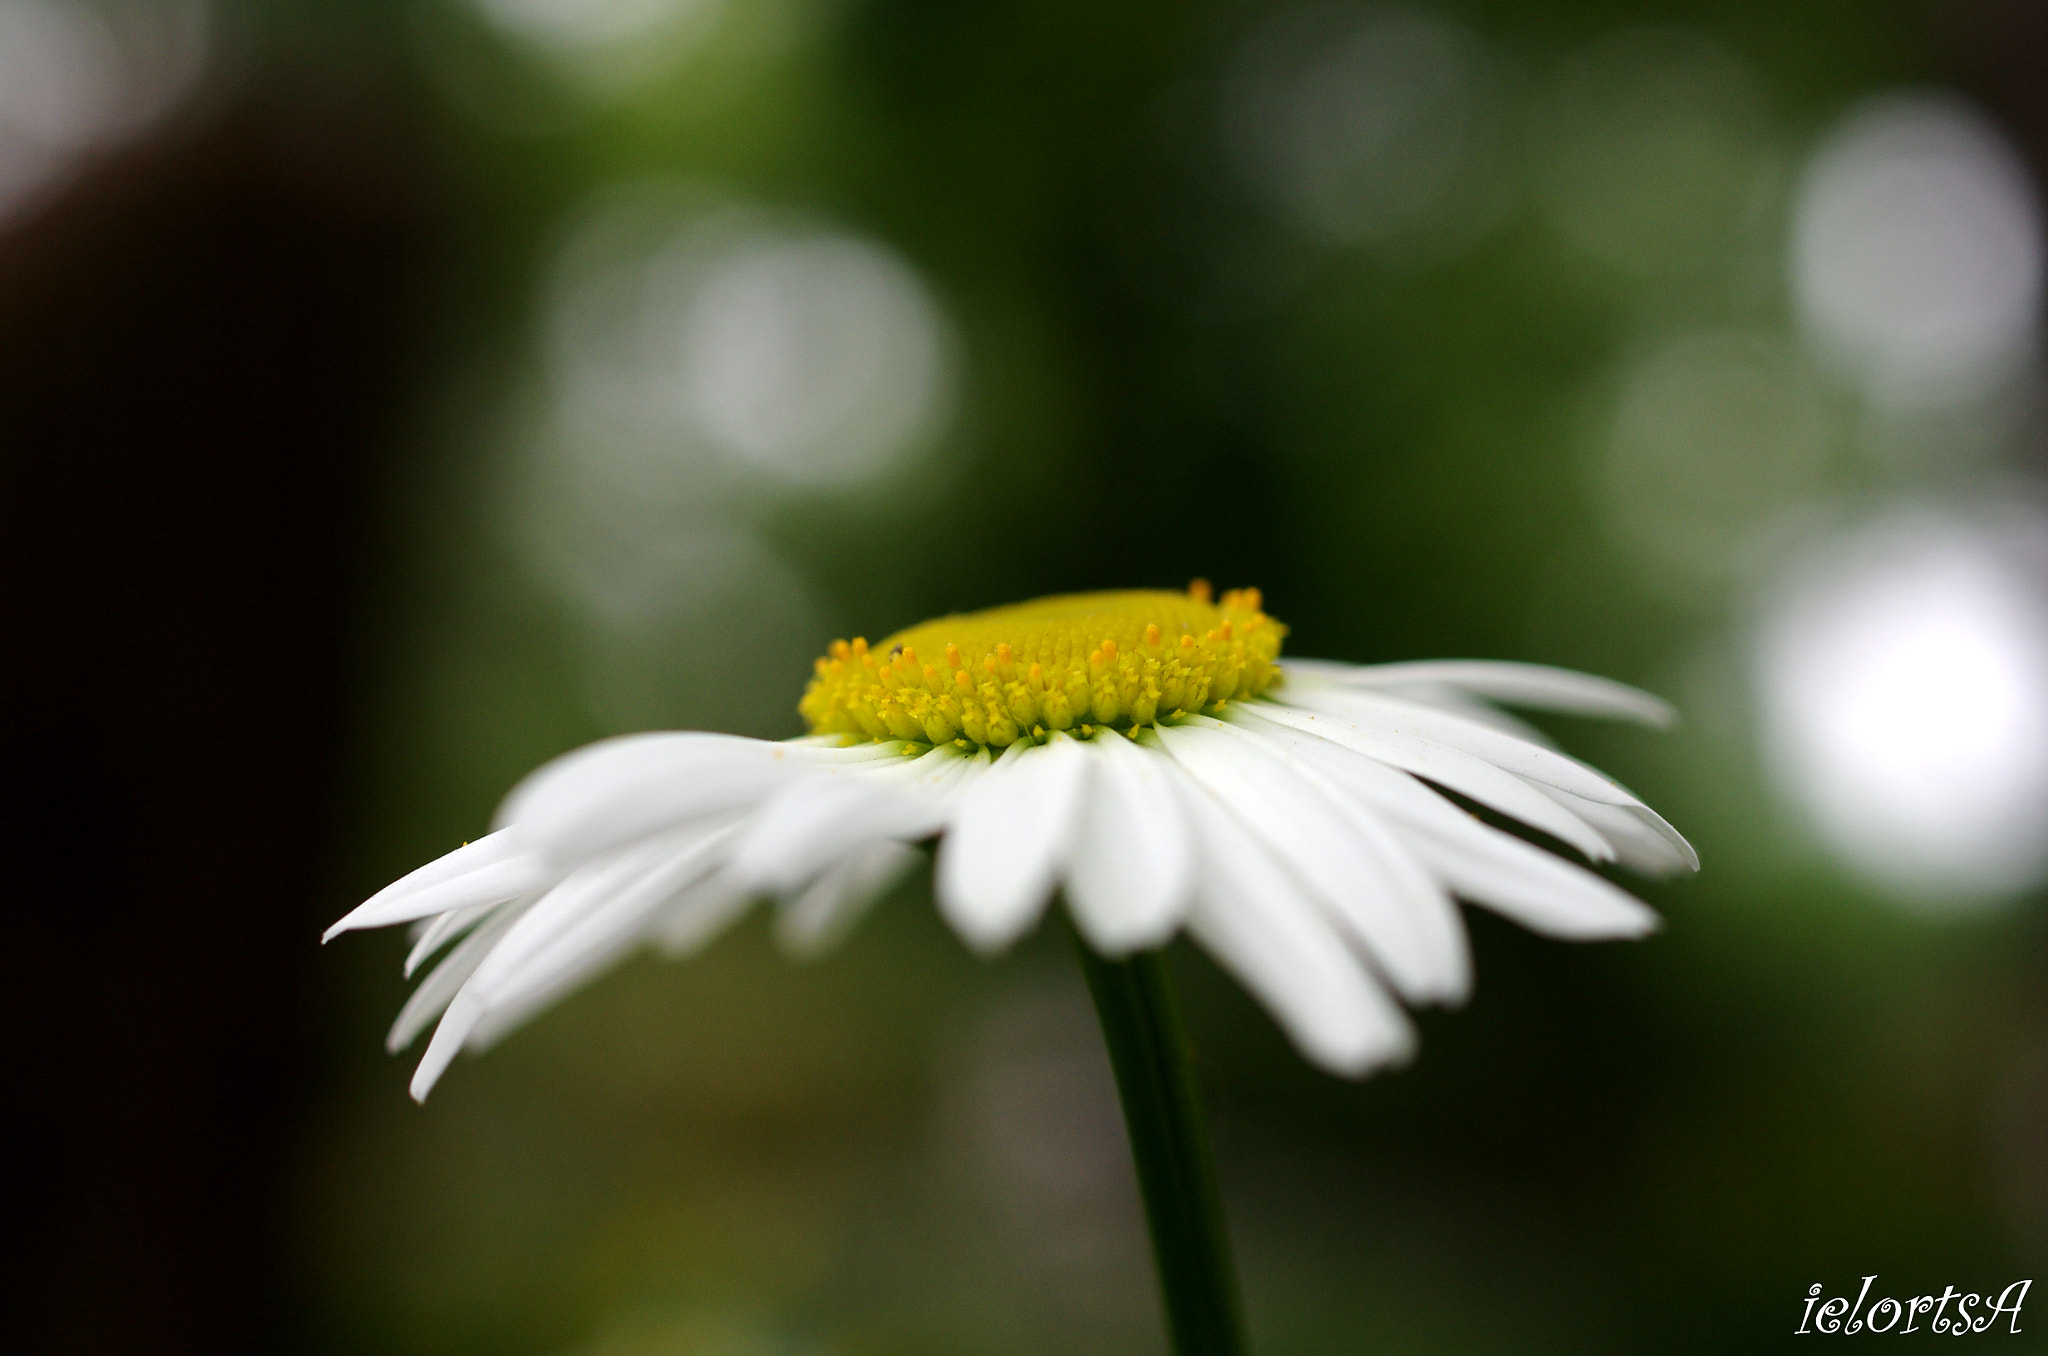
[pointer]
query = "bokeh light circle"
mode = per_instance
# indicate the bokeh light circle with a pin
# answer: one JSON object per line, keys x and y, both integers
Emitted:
{"x": 692, "y": 341}
{"x": 815, "y": 356}
{"x": 607, "y": 46}
{"x": 1917, "y": 244}
{"x": 1902, "y": 671}
{"x": 79, "y": 76}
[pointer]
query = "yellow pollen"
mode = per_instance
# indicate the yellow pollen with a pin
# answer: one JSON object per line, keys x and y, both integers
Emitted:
{"x": 1072, "y": 662}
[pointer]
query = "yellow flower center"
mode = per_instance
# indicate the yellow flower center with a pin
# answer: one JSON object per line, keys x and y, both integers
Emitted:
{"x": 1079, "y": 659}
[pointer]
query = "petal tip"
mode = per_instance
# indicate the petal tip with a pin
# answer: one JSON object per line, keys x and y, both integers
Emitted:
{"x": 423, "y": 1080}
{"x": 1362, "y": 1064}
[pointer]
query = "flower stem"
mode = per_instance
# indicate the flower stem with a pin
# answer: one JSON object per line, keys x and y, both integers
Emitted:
{"x": 1140, "y": 1016}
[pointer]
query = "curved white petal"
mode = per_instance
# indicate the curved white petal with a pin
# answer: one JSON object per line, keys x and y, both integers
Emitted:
{"x": 1422, "y": 894}
{"x": 1644, "y": 840}
{"x": 1537, "y": 889}
{"x": 441, "y": 929}
{"x": 639, "y": 913}
{"x": 592, "y": 918}
{"x": 818, "y": 918}
{"x": 1008, "y": 837}
{"x": 1475, "y": 708}
{"x": 1480, "y": 863}
{"x": 559, "y": 908}
{"x": 559, "y": 940}
{"x": 1319, "y": 838}
{"x": 1260, "y": 925}
{"x": 1419, "y": 726}
{"x": 1391, "y": 790}
{"x": 1412, "y": 803}
{"x": 1536, "y": 686}
{"x": 1130, "y": 870}
{"x": 433, "y": 993}
{"x": 450, "y": 1036}
{"x": 1446, "y": 766}
{"x": 618, "y": 791}
{"x": 696, "y": 917}
{"x": 807, "y": 826}
{"x": 1413, "y": 893}
{"x": 490, "y": 870}
{"x": 937, "y": 776}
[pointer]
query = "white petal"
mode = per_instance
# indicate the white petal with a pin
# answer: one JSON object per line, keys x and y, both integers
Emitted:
{"x": 1474, "y": 708}
{"x": 449, "y": 1037}
{"x": 617, "y": 791}
{"x": 812, "y": 823}
{"x": 562, "y": 938}
{"x": 1427, "y": 902}
{"x": 937, "y": 777}
{"x": 591, "y": 919}
{"x": 1536, "y": 686}
{"x": 1419, "y": 723}
{"x": 1537, "y": 889}
{"x": 1414, "y": 724}
{"x": 558, "y": 909}
{"x": 446, "y": 979}
{"x": 1388, "y": 789}
{"x": 1256, "y": 920}
{"x": 697, "y": 916}
{"x": 1446, "y": 766}
{"x": 1516, "y": 879}
{"x": 600, "y": 942}
{"x": 436, "y": 932}
{"x": 1130, "y": 869}
{"x": 1642, "y": 838}
{"x": 1413, "y": 893}
{"x": 1008, "y": 837}
{"x": 490, "y": 870}
{"x": 814, "y": 921}
{"x": 1322, "y": 839}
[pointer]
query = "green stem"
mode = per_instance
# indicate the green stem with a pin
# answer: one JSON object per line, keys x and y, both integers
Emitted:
{"x": 1163, "y": 1112}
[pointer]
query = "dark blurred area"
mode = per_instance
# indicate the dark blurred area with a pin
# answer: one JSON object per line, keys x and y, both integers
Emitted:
{"x": 203, "y": 353}
{"x": 395, "y": 394}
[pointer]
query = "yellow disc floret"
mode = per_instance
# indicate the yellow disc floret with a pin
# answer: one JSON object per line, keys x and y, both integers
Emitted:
{"x": 1079, "y": 659}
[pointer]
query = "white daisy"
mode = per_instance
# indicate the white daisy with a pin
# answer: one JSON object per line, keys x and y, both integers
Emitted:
{"x": 1146, "y": 755}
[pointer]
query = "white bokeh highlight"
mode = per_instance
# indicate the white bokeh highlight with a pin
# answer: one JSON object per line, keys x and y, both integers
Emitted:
{"x": 78, "y": 78}
{"x": 1917, "y": 250}
{"x": 703, "y": 362}
{"x": 1902, "y": 672}
{"x": 607, "y": 47}
{"x": 681, "y": 331}
{"x": 583, "y": 25}
{"x": 814, "y": 356}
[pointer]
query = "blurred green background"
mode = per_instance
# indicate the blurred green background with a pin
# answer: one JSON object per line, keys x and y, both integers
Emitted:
{"x": 651, "y": 344}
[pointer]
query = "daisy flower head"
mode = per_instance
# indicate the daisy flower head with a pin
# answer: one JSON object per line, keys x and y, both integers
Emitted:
{"x": 1146, "y": 756}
